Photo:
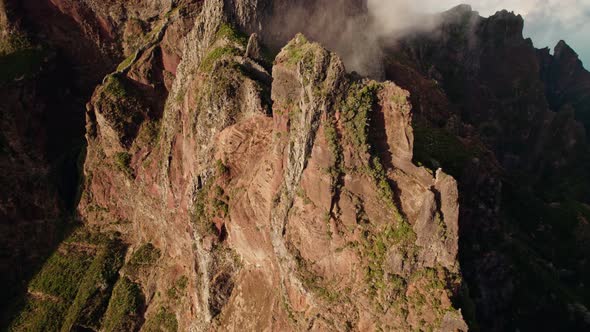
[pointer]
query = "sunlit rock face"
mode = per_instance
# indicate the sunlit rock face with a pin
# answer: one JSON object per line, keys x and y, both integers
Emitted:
{"x": 264, "y": 166}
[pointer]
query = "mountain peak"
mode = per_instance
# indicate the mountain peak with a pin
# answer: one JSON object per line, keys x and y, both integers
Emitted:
{"x": 563, "y": 51}
{"x": 224, "y": 171}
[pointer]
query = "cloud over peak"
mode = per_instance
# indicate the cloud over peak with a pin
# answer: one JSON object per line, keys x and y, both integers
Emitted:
{"x": 546, "y": 21}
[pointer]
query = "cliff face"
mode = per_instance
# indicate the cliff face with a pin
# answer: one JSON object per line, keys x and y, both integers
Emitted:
{"x": 268, "y": 197}
{"x": 247, "y": 196}
{"x": 507, "y": 121}
{"x": 50, "y": 62}
{"x": 41, "y": 131}
{"x": 566, "y": 81}
{"x": 225, "y": 188}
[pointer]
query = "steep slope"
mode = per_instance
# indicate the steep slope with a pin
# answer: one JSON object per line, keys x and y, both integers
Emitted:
{"x": 41, "y": 136}
{"x": 50, "y": 62}
{"x": 267, "y": 203}
{"x": 241, "y": 202}
{"x": 236, "y": 180}
{"x": 566, "y": 81}
{"x": 501, "y": 117}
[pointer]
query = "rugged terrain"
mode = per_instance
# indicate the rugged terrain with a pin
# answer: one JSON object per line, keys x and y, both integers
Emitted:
{"x": 175, "y": 166}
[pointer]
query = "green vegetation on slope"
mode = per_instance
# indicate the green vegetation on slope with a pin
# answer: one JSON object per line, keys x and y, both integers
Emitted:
{"x": 226, "y": 31}
{"x": 13, "y": 42}
{"x": 20, "y": 64}
{"x": 39, "y": 315}
{"x": 376, "y": 246}
{"x": 144, "y": 257}
{"x": 178, "y": 290}
{"x": 436, "y": 147}
{"x": 217, "y": 54}
{"x": 115, "y": 87}
{"x": 211, "y": 202}
{"x": 123, "y": 163}
{"x": 356, "y": 111}
{"x": 546, "y": 233}
{"x": 18, "y": 57}
{"x": 51, "y": 291}
{"x": 73, "y": 286}
{"x": 233, "y": 40}
{"x": 163, "y": 321}
{"x": 126, "y": 302}
{"x": 61, "y": 275}
{"x": 297, "y": 49}
{"x": 94, "y": 291}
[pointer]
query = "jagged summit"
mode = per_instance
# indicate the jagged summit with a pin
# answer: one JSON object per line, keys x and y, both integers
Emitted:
{"x": 215, "y": 169}
{"x": 563, "y": 51}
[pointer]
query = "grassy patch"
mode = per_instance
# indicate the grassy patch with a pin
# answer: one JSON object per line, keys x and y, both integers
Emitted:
{"x": 149, "y": 133}
{"x": 436, "y": 147}
{"x": 429, "y": 287}
{"x": 61, "y": 275}
{"x": 232, "y": 34}
{"x": 396, "y": 235}
{"x": 554, "y": 232}
{"x": 178, "y": 290}
{"x": 39, "y": 315}
{"x": 86, "y": 236}
{"x": 73, "y": 286}
{"x": 145, "y": 256}
{"x": 356, "y": 111}
{"x": 14, "y": 42}
{"x": 221, "y": 168}
{"x": 123, "y": 163}
{"x": 122, "y": 107}
{"x": 126, "y": 63}
{"x": 217, "y": 54}
{"x": 199, "y": 217}
{"x": 21, "y": 63}
{"x": 377, "y": 172}
{"x": 163, "y": 321}
{"x": 94, "y": 292}
{"x": 336, "y": 170}
{"x": 115, "y": 87}
{"x": 124, "y": 306}
{"x": 313, "y": 282}
{"x": 211, "y": 202}
{"x": 377, "y": 246}
{"x": 297, "y": 49}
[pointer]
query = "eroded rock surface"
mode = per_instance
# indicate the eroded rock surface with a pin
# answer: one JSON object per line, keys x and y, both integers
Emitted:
{"x": 227, "y": 187}
{"x": 282, "y": 219}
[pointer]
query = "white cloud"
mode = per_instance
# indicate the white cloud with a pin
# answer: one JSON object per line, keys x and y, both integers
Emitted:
{"x": 546, "y": 21}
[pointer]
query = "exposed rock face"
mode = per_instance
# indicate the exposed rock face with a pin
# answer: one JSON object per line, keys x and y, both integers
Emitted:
{"x": 279, "y": 221}
{"x": 566, "y": 81}
{"x": 49, "y": 65}
{"x": 278, "y": 216}
{"x": 479, "y": 85}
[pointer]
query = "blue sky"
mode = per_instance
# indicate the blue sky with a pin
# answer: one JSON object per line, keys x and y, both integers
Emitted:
{"x": 546, "y": 21}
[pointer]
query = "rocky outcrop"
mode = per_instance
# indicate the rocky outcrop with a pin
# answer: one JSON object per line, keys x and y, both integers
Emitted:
{"x": 48, "y": 69}
{"x": 494, "y": 112}
{"x": 226, "y": 188}
{"x": 267, "y": 213}
{"x": 566, "y": 81}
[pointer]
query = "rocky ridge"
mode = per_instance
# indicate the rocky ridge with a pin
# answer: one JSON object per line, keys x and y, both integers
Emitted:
{"x": 228, "y": 188}
{"x": 494, "y": 112}
{"x": 254, "y": 220}
{"x": 186, "y": 178}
